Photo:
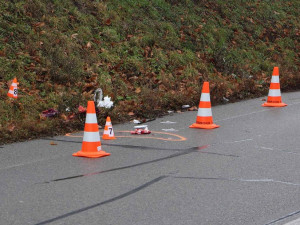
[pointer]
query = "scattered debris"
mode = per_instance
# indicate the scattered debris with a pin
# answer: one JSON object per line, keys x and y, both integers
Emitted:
{"x": 186, "y": 106}
{"x": 106, "y": 103}
{"x": 194, "y": 108}
{"x": 52, "y": 143}
{"x": 81, "y": 109}
{"x": 49, "y": 113}
{"x": 143, "y": 129}
{"x": 136, "y": 121}
{"x": 225, "y": 99}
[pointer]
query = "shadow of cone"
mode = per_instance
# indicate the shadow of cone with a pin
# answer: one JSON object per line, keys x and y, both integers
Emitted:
{"x": 274, "y": 96}
{"x": 91, "y": 144}
{"x": 204, "y": 117}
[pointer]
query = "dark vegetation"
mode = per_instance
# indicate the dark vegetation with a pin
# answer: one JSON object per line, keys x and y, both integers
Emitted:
{"x": 148, "y": 55}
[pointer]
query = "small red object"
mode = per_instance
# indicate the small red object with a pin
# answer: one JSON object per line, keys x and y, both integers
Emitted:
{"x": 141, "y": 130}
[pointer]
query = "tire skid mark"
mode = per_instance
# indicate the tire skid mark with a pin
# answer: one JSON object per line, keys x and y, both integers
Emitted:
{"x": 121, "y": 168}
{"x": 104, "y": 202}
{"x": 282, "y": 218}
{"x": 187, "y": 151}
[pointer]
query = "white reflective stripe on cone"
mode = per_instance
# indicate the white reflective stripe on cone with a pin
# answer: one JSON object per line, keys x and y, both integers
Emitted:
{"x": 108, "y": 123}
{"x": 11, "y": 92}
{"x": 106, "y": 132}
{"x": 204, "y": 112}
{"x": 91, "y": 118}
{"x": 205, "y": 97}
{"x": 14, "y": 85}
{"x": 91, "y": 136}
{"x": 274, "y": 92}
{"x": 275, "y": 79}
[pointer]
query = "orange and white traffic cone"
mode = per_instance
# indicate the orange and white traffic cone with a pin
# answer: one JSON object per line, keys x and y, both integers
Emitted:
{"x": 108, "y": 133}
{"x": 274, "y": 96}
{"x": 13, "y": 90}
{"x": 91, "y": 144}
{"x": 204, "y": 117}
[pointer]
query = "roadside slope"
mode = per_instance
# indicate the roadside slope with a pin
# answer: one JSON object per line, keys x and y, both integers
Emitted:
{"x": 138, "y": 51}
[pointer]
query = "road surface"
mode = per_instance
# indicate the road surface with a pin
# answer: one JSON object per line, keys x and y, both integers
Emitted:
{"x": 245, "y": 172}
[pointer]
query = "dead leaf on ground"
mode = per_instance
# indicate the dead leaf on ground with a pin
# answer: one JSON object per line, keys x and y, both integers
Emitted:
{"x": 131, "y": 114}
{"x": 138, "y": 90}
{"x": 11, "y": 127}
{"x": 53, "y": 143}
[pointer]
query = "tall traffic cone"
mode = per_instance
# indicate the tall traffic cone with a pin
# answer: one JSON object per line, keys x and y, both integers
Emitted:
{"x": 91, "y": 144}
{"x": 204, "y": 117}
{"x": 274, "y": 96}
{"x": 13, "y": 90}
{"x": 108, "y": 130}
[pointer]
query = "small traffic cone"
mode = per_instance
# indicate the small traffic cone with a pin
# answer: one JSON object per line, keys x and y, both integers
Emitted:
{"x": 274, "y": 96}
{"x": 91, "y": 144}
{"x": 204, "y": 117}
{"x": 108, "y": 130}
{"x": 13, "y": 90}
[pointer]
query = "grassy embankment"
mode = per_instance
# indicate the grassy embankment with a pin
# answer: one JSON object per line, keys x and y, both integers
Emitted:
{"x": 148, "y": 55}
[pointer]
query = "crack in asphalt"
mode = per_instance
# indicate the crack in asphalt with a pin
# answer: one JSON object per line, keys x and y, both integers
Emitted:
{"x": 241, "y": 180}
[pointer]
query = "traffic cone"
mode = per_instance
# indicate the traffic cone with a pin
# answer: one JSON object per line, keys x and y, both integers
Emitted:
{"x": 274, "y": 96}
{"x": 204, "y": 117}
{"x": 91, "y": 144}
{"x": 108, "y": 130}
{"x": 13, "y": 90}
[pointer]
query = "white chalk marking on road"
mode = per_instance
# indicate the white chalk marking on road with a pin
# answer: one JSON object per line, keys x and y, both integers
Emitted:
{"x": 28, "y": 163}
{"x": 288, "y": 152}
{"x": 294, "y": 222}
{"x": 267, "y": 148}
{"x": 232, "y": 142}
{"x": 168, "y": 122}
{"x": 171, "y": 129}
{"x": 271, "y": 180}
{"x": 248, "y": 114}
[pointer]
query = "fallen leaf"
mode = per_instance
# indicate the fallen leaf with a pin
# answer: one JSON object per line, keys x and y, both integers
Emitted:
{"x": 11, "y": 127}
{"x": 131, "y": 114}
{"x": 52, "y": 143}
{"x": 108, "y": 22}
{"x": 39, "y": 24}
{"x": 138, "y": 90}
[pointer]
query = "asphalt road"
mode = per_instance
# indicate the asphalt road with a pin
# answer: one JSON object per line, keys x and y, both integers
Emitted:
{"x": 245, "y": 172}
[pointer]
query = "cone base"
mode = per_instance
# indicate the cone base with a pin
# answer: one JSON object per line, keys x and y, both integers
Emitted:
{"x": 204, "y": 126}
{"x": 91, "y": 154}
{"x": 11, "y": 96}
{"x": 267, "y": 104}
{"x": 108, "y": 138}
